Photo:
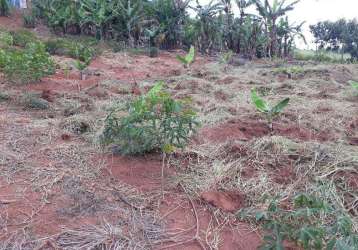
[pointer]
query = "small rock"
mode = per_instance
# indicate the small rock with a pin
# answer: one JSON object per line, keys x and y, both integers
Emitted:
{"x": 228, "y": 201}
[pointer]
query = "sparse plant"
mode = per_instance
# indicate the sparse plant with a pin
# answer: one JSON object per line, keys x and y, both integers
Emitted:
{"x": 23, "y": 37}
{"x": 188, "y": 59}
{"x": 354, "y": 85}
{"x": 265, "y": 108}
{"x": 6, "y": 39}
{"x": 154, "y": 121}
{"x": 290, "y": 71}
{"x": 304, "y": 221}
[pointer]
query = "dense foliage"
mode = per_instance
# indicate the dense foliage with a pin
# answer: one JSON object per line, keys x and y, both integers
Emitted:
{"x": 152, "y": 121}
{"x": 4, "y": 7}
{"x": 167, "y": 24}
{"x": 26, "y": 65}
{"x": 340, "y": 36}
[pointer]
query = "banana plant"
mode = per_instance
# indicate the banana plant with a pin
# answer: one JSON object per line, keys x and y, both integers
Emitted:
{"x": 265, "y": 108}
{"x": 97, "y": 13}
{"x": 188, "y": 59}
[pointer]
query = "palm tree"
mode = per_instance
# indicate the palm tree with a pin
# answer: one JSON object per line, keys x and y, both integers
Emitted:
{"x": 270, "y": 14}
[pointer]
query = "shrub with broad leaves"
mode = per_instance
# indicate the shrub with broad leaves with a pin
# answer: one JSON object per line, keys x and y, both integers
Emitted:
{"x": 154, "y": 121}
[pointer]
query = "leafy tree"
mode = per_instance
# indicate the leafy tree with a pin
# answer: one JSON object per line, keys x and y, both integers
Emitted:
{"x": 208, "y": 26}
{"x": 270, "y": 14}
{"x": 341, "y": 35}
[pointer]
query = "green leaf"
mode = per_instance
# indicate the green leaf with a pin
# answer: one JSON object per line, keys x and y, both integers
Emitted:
{"x": 189, "y": 58}
{"x": 280, "y": 106}
{"x": 260, "y": 104}
{"x": 354, "y": 84}
{"x": 181, "y": 59}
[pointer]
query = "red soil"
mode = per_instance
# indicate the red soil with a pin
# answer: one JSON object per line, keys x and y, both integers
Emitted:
{"x": 246, "y": 130}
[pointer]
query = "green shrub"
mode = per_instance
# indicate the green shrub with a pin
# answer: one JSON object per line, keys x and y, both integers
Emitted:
{"x": 29, "y": 20}
{"x": 309, "y": 221}
{"x": 6, "y": 39}
{"x": 26, "y": 65}
{"x": 4, "y": 8}
{"x": 82, "y": 51}
{"x": 23, "y": 37}
{"x": 154, "y": 121}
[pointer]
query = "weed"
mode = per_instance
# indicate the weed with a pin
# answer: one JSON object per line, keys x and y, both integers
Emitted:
{"x": 264, "y": 107}
{"x": 79, "y": 50}
{"x": 23, "y": 37}
{"x": 309, "y": 221}
{"x": 354, "y": 85}
{"x": 188, "y": 59}
{"x": 27, "y": 65}
{"x": 29, "y": 20}
{"x": 152, "y": 121}
{"x": 290, "y": 71}
{"x": 6, "y": 39}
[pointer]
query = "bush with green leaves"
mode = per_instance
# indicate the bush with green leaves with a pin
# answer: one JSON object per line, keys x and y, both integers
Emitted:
{"x": 310, "y": 222}
{"x": 29, "y": 20}
{"x": 23, "y": 37}
{"x": 354, "y": 85}
{"x": 154, "y": 121}
{"x": 188, "y": 59}
{"x": 26, "y": 65}
{"x": 265, "y": 108}
{"x": 6, "y": 39}
{"x": 80, "y": 50}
